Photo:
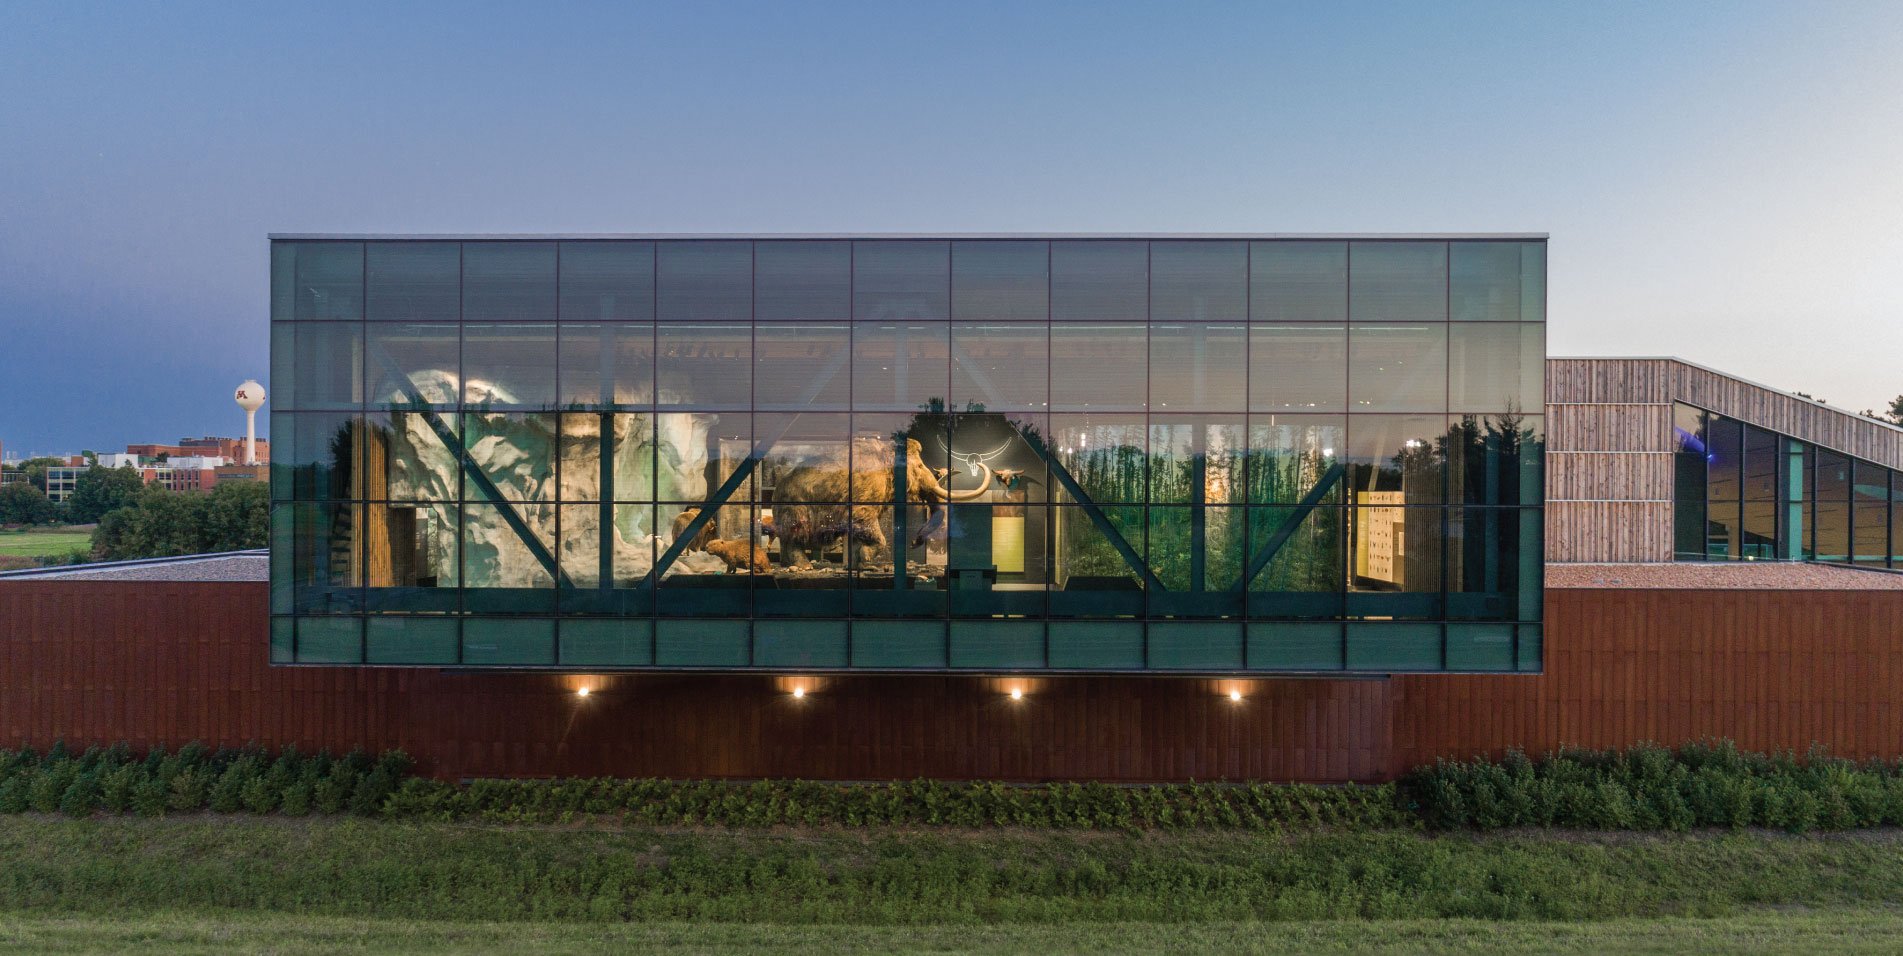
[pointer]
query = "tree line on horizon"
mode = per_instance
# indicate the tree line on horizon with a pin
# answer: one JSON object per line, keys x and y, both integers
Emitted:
{"x": 136, "y": 520}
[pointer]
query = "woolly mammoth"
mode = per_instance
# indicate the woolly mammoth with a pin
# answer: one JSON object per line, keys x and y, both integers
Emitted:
{"x": 808, "y": 517}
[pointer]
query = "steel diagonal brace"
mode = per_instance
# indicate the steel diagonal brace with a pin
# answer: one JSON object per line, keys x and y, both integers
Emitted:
{"x": 740, "y": 474}
{"x": 453, "y": 442}
{"x": 1095, "y": 513}
{"x": 1261, "y": 559}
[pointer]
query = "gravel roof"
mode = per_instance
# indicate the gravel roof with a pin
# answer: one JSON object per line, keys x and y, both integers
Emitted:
{"x": 234, "y": 566}
{"x": 1742, "y": 575}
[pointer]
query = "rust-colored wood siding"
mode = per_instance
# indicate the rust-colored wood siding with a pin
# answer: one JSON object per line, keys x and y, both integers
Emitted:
{"x": 1771, "y": 670}
{"x": 150, "y": 663}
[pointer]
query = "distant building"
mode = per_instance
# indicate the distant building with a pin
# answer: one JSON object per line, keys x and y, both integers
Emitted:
{"x": 61, "y": 480}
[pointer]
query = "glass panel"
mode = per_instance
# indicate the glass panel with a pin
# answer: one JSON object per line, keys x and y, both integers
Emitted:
{"x": 1724, "y": 454}
{"x": 509, "y": 282}
{"x": 1099, "y": 367}
{"x": 1397, "y": 368}
{"x": 607, "y": 281}
{"x": 694, "y": 453}
{"x": 631, "y": 474}
{"x": 1289, "y": 455}
{"x": 413, "y": 281}
{"x": 325, "y": 279}
{"x": 509, "y": 365}
{"x": 1173, "y": 554}
{"x": 1093, "y": 577}
{"x": 801, "y": 367}
{"x": 1688, "y": 483}
{"x": 1196, "y": 459}
{"x": 901, "y": 281}
{"x": 1398, "y": 281}
{"x": 807, "y": 481}
{"x": 1001, "y": 281}
{"x": 1495, "y": 459}
{"x": 1097, "y": 280}
{"x": 1833, "y": 530}
{"x": 1872, "y": 522}
{"x": 1833, "y": 476}
{"x": 329, "y": 557}
{"x": 1298, "y": 282}
{"x": 1395, "y": 459}
{"x": 1397, "y": 553}
{"x": 1301, "y": 556}
{"x": 495, "y": 549}
{"x": 1491, "y": 281}
{"x": 631, "y": 548}
{"x": 1896, "y": 522}
{"x": 327, "y": 366}
{"x": 515, "y": 451}
{"x": 802, "y": 281}
{"x": 900, "y": 366}
{"x": 1000, "y": 367}
{"x": 1104, "y": 454}
{"x": 604, "y": 364}
{"x": 321, "y": 451}
{"x": 1199, "y": 281}
{"x": 1722, "y": 530}
{"x": 704, "y": 366}
{"x": 1496, "y": 367}
{"x": 1761, "y": 458}
{"x": 412, "y": 545}
{"x": 406, "y": 459}
{"x": 1298, "y": 368}
{"x": 1197, "y": 366}
{"x": 1483, "y": 564}
{"x": 408, "y": 362}
{"x": 709, "y": 281}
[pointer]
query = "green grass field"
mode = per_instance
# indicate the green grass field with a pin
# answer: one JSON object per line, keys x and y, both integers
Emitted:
{"x": 201, "y": 884}
{"x": 40, "y": 543}
{"x": 176, "y": 934}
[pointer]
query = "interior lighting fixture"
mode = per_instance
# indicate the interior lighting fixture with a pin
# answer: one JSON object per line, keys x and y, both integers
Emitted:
{"x": 799, "y": 693}
{"x": 581, "y": 692}
{"x": 1017, "y": 693}
{"x": 1235, "y": 696}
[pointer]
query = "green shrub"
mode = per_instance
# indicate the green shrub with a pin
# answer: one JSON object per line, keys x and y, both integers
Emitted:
{"x": 150, "y": 796}
{"x": 188, "y": 791}
{"x": 82, "y": 797}
{"x": 116, "y": 786}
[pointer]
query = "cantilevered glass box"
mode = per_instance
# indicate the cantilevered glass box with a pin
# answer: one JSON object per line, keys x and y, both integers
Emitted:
{"x": 1181, "y": 454}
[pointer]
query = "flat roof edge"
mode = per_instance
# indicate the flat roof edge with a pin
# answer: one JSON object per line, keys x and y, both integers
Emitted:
{"x": 480, "y": 236}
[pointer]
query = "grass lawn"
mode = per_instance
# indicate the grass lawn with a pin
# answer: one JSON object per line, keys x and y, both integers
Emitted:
{"x": 41, "y": 542}
{"x": 204, "y": 884}
{"x": 165, "y": 934}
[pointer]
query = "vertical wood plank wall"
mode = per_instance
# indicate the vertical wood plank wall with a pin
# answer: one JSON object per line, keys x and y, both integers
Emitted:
{"x": 150, "y": 663}
{"x": 1609, "y": 447}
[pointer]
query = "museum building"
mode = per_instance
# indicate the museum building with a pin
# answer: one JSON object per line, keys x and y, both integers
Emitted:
{"x": 1065, "y": 508}
{"x": 1213, "y": 455}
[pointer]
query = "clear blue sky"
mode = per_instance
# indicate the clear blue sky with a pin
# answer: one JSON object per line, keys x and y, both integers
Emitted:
{"x": 1722, "y": 181}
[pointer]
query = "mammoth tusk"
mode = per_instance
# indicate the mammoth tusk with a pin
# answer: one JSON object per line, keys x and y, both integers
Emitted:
{"x": 983, "y": 486}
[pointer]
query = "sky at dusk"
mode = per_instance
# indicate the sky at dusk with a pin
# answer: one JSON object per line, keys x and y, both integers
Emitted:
{"x": 1723, "y": 182}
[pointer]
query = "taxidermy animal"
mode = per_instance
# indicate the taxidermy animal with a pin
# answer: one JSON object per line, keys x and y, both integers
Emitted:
{"x": 685, "y": 518}
{"x": 740, "y": 553}
{"x": 805, "y": 513}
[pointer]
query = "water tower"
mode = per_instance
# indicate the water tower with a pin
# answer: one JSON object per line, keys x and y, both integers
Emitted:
{"x": 250, "y": 397}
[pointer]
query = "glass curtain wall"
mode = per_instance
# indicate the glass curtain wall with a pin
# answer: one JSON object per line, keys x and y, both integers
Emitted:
{"x": 1743, "y": 493}
{"x": 1098, "y": 454}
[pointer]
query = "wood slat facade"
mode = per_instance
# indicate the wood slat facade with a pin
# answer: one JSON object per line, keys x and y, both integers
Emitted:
{"x": 1609, "y": 444}
{"x": 95, "y": 662}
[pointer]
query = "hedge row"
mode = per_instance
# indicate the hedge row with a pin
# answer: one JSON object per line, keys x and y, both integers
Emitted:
{"x": 1655, "y": 788}
{"x": 197, "y": 778}
{"x": 1642, "y": 788}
